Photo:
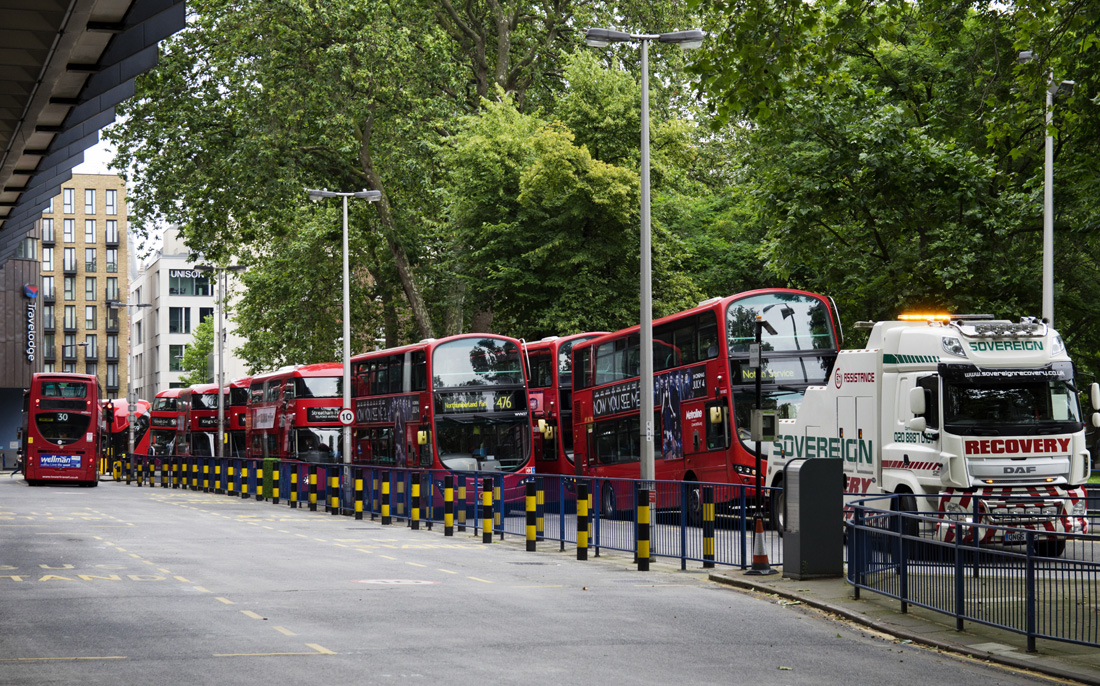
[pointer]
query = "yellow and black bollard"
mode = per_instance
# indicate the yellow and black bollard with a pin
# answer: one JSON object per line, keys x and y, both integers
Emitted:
{"x": 359, "y": 493}
{"x": 540, "y": 510}
{"x": 487, "y": 511}
{"x": 400, "y": 504}
{"x": 708, "y": 527}
{"x": 275, "y": 469}
{"x": 592, "y": 522}
{"x": 375, "y": 494}
{"x": 582, "y": 521}
{"x": 462, "y": 512}
{"x": 294, "y": 486}
{"x": 499, "y": 509}
{"x": 261, "y": 477}
{"x": 530, "y": 505}
{"x": 334, "y": 490}
{"x": 414, "y": 520}
{"x": 643, "y": 530}
{"x": 231, "y": 483}
{"x": 206, "y": 475}
{"x": 386, "y": 519}
{"x": 313, "y": 488}
{"x": 218, "y": 476}
{"x": 244, "y": 480}
{"x": 449, "y": 505}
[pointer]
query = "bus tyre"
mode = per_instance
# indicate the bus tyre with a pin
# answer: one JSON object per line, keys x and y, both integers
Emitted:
{"x": 693, "y": 508}
{"x": 607, "y": 500}
{"x": 776, "y": 502}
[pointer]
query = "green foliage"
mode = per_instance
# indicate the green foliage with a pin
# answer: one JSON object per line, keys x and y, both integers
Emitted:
{"x": 196, "y": 356}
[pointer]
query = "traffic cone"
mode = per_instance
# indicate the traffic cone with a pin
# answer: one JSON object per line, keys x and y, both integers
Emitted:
{"x": 760, "y": 564}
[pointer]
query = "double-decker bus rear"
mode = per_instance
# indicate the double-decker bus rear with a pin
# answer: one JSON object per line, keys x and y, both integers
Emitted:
{"x": 118, "y": 427}
{"x": 64, "y": 429}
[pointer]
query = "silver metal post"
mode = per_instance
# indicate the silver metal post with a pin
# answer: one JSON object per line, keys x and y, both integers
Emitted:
{"x": 347, "y": 336}
{"x": 221, "y": 363}
{"x": 645, "y": 386}
{"x": 1048, "y": 211}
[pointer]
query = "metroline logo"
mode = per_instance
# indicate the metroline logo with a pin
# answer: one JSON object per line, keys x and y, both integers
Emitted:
{"x": 1003, "y": 446}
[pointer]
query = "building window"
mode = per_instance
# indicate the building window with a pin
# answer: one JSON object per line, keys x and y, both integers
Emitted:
{"x": 91, "y": 350}
{"x": 49, "y": 207}
{"x": 47, "y": 230}
{"x": 89, "y": 288}
{"x": 89, "y": 317}
{"x": 47, "y": 288}
{"x": 111, "y": 231}
{"x": 47, "y": 259}
{"x": 89, "y": 259}
{"x": 68, "y": 367}
{"x": 137, "y": 295}
{"x": 48, "y": 318}
{"x": 89, "y": 201}
{"x": 89, "y": 231}
{"x": 112, "y": 375}
{"x": 205, "y": 312}
{"x": 69, "y": 228}
{"x": 137, "y": 333}
{"x": 69, "y": 343}
{"x": 179, "y": 320}
{"x": 187, "y": 282}
{"x": 112, "y": 346}
{"x": 112, "y": 201}
{"x": 112, "y": 260}
{"x": 70, "y": 316}
{"x": 48, "y": 343}
{"x": 112, "y": 288}
{"x": 68, "y": 201}
{"x": 27, "y": 249}
{"x": 90, "y": 368}
{"x": 70, "y": 288}
{"x": 48, "y": 368}
{"x": 175, "y": 357}
{"x": 69, "y": 257}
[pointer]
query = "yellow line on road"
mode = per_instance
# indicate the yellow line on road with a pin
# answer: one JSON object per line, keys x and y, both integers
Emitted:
{"x": 481, "y": 580}
{"x": 284, "y": 631}
{"x": 59, "y": 659}
{"x": 415, "y": 564}
{"x": 200, "y": 589}
{"x": 250, "y": 613}
{"x": 319, "y": 650}
{"x": 447, "y": 571}
{"x": 227, "y": 601}
{"x": 387, "y": 557}
{"x": 180, "y": 578}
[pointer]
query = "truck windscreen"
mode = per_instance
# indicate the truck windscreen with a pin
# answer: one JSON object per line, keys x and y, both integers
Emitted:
{"x": 982, "y": 401}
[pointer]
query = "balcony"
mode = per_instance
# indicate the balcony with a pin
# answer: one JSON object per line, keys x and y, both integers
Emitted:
{"x": 112, "y": 355}
{"x": 70, "y": 326}
{"x": 69, "y": 266}
{"x": 112, "y": 267}
{"x": 112, "y": 240}
{"x": 47, "y": 238}
{"x": 49, "y": 324}
{"x": 49, "y": 296}
{"x": 49, "y": 354}
{"x": 91, "y": 353}
{"x": 89, "y": 266}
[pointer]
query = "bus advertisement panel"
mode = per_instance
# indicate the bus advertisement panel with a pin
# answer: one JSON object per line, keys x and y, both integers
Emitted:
{"x": 64, "y": 431}
{"x": 704, "y": 386}
{"x": 293, "y": 413}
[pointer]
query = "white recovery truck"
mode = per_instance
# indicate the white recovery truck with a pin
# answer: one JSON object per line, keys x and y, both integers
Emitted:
{"x": 943, "y": 410}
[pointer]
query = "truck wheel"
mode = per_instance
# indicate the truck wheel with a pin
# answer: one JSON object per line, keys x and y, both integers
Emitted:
{"x": 778, "y": 499}
{"x": 1050, "y": 548}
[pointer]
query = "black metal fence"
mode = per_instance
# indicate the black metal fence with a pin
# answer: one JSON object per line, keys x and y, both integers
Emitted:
{"x": 1037, "y": 582}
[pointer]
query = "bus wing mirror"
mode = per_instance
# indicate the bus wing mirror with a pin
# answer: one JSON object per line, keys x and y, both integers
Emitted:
{"x": 716, "y": 415}
{"x": 542, "y": 426}
{"x": 422, "y": 437}
{"x": 917, "y": 403}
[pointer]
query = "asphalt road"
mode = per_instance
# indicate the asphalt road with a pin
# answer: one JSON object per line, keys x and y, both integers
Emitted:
{"x": 127, "y": 585}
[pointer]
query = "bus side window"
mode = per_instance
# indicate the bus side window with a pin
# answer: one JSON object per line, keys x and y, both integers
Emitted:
{"x": 718, "y": 433}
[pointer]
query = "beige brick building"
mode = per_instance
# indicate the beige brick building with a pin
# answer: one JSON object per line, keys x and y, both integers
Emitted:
{"x": 84, "y": 268}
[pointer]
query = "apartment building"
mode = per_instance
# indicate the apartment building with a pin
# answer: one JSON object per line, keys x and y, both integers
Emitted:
{"x": 83, "y": 264}
{"x": 169, "y": 298}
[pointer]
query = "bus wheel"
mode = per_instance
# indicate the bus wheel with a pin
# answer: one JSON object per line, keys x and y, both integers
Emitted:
{"x": 693, "y": 508}
{"x": 607, "y": 500}
{"x": 777, "y": 500}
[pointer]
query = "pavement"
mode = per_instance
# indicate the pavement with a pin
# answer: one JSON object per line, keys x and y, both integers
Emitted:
{"x": 921, "y": 626}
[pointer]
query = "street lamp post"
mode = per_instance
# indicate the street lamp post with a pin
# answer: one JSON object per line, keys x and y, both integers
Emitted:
{"x": 601, "y": 38}
{"x": 220, "y": 276}
{"x": 370, "y": 196}
{"x": 1063, "y": 88}
{"x": 131, "y": 397}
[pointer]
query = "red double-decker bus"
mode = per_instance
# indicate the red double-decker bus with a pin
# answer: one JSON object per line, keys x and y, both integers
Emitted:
{"x": 294, "y": 413}
{"x": 118, "y": 427}
{"x": 167, "y": 422}
{"x": 200, "y": 402}
{"x": 704, "y": 386}
{"x": 458, "y": 403}
{"x": 550, "y": 394}
{"x": 64, "y": 431}
{"x": 236, "y": 413}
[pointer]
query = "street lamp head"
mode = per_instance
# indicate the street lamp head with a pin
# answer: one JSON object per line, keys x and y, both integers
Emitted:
{"x": 372, "y": 196}
{"x": 688, "y": 40}
{"x": 1025, "y": 56}
{"x": 318, "y": 195}
{"x": 1062, "y": 90}
{"x": 601, "y": 38}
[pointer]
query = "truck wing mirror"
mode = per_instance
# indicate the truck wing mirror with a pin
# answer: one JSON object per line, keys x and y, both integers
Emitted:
{"x": 1094, "y": 396}
{"x": 918, "y": 424}
{"x": 1096, "y": 419}
{"x": 916, "y": 401}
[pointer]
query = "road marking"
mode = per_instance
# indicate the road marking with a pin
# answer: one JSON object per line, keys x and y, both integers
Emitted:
{"x": 227, "y": 601}
{"x": 250, "y": 613}
{"x": 318, "y": 650}
{"x": 481, "y": 580}
{"x": 541, "y": 586}
{"x": 387, "y": 557}
{"x": 61, "y": 659}
{"x": 284, "y": 631}
{"x": 163, "y": 571}
{"x": 200, "y": 589}
{"x": 447, "y": 571}
{"x": 135, "y": 556}
{"x": 180, "y": 578}
{"x": 415, "y": 564}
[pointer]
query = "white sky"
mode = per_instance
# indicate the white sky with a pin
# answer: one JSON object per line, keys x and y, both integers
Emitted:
{"x": 96, "y": 159}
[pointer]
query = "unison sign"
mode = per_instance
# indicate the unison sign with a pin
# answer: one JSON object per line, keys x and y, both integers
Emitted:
{"x": 31, "y": 293}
